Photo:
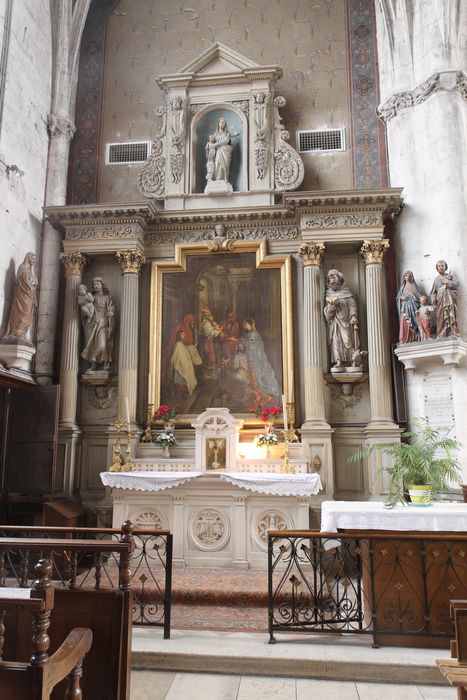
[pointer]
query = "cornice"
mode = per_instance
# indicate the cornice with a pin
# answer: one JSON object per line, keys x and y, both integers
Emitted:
{"x": 87, "y": 214}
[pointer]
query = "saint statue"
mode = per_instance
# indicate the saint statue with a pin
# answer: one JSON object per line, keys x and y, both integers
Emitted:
{"x": 408, "y": 303}
{"x": 98, "y": 317}
{"x": 219, "y": 153}
{"x": 444, "y": 299}
{"x": 24, "y": 300}
{"x": 340, "y": 313}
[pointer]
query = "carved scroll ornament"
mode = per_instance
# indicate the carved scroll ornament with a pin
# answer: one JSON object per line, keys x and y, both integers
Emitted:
{"x": 288, "y": 166}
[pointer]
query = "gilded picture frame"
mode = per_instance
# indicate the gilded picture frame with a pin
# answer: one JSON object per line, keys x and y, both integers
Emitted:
{"x": 218, "y": 319}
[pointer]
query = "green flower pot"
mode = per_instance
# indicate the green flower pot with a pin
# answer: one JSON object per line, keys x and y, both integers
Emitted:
{"x": 420, "y": 494}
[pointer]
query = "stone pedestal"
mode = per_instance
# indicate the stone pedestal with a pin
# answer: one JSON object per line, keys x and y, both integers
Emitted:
{"x": 435, "y": 375}
{"x": 17, "y": 356}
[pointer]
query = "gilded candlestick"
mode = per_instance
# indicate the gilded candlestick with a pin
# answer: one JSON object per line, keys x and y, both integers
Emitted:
{"x": 147, "y": 435}
{"x": 117, "y": 461}
{"x": 128, "y": 465}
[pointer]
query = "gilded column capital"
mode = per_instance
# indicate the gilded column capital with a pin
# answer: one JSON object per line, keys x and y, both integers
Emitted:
{"x": 130, "y": 261}
{"x": 373, "y": 251}
{"x": 73, "y": 262}
{"x": 311, "y": 253}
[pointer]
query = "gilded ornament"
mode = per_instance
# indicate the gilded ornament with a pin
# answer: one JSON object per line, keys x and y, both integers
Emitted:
{"x": 373, "y": 251}
{"x": 73, "y": 262}
{"x": 311, "y": 253}
{"x": 130, "y": 261}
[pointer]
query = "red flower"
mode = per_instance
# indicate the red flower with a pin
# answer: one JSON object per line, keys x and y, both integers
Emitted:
{"x": 275, "y": 411}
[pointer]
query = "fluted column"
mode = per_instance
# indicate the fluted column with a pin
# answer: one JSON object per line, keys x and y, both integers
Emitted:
{"x": 311, "y": 254}
{"x": 379, "y": 366}
{"x": 69, "y": 361}
{"x": 130, "y": 262}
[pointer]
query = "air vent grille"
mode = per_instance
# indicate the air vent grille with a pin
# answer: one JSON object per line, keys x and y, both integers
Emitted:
{"x": 321, "y": 140}
{"x": 130, "y": 152}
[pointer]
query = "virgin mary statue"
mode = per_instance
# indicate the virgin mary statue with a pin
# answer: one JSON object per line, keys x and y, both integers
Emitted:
{"x": 222, "y": 143}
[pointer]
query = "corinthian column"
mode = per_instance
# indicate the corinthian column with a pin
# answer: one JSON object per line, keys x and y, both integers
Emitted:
{"x": 315, "y": 431}
{"x": 311, "y": 254}
{"x": 379, "y": 367}
{"x": 130, "y": 262}
{"x": 69, "y": 362}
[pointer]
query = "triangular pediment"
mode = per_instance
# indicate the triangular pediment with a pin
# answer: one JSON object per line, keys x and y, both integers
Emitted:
{"x": 218, "y": 58}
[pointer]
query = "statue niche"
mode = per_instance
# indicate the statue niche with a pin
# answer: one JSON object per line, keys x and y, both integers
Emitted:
{"x": 219, "y": 151}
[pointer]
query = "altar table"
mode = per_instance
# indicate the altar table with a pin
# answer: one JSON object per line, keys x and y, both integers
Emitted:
{"x": 372, "y": 515}
{"x": 217, "y": 519}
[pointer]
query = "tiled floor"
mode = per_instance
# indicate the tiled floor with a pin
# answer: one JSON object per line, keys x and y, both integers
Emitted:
{"x": 162, "y": 685}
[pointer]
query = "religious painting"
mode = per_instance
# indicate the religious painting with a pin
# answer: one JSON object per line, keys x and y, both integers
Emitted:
{"x": 215, "y": 453}
{"x": 219, "y": 332}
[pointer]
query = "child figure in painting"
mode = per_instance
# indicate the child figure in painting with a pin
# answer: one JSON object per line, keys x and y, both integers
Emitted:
{"x": 423, "y": 316}
{"x": 210, "y": 157}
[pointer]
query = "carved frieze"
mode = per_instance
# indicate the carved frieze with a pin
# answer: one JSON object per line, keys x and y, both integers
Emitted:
{"x": 445, "y": 80}
{"x": 101, "y": 397}
{"x": 254, "y": 233}
{"x": 354, "y": 220}
{"x": 82, "y": 233}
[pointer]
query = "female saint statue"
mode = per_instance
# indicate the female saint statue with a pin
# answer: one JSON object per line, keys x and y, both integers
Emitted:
{"x": 221, "y": 142}
{"x": 444, "y": 297}
{"x": 24, "y": 300}
{"x": 98, "y": 327}
{"x": 408, "y": 303}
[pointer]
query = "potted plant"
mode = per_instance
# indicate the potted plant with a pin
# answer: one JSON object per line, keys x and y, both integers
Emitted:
{"x": 423, "y": 464}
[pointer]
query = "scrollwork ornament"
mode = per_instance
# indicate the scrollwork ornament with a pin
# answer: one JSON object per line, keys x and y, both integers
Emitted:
{"x": 73, "y": 263}
{"x": 311, "y": 253}
{"x": 130, "y": 261}
{"x": 151, "y": 181}
{"x": 373, "y": 251}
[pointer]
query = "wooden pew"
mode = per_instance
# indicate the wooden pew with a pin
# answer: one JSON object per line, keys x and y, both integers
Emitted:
{"x": 105, "y": 611}
{"x": 455, "y": 669}
{"x": 36, "y": 679}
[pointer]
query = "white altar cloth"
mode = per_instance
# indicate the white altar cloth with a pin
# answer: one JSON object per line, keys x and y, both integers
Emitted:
{"x": 275, "y": 484}
{"x": 372, "y": 515}
{"x": 147, "y": 481}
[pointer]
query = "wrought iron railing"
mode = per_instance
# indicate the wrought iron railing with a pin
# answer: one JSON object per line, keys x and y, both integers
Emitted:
{"x": 387, "y": 585}
{"x": 150, "y": 566}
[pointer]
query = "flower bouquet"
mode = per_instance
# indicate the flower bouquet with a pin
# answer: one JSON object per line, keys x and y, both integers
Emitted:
{"x": 165, "y": 440}
{"x": 165, "y": 414}
{"x": 267, "y": 413}
{"x": 267, "y": 439}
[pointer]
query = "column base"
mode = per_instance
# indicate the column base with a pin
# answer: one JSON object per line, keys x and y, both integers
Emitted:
{"x": 66, "y": 481}
{"x": 317, "y": 445}
{"x": 374, "y": 433}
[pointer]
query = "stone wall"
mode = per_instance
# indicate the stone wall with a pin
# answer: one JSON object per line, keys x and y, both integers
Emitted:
{"x": 326, "y": 51}
{"x": 24, "y": 139}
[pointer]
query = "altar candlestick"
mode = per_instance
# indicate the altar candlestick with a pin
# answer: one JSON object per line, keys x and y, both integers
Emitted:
{"x": 290, "y": 386}
{"x": 284, "y": 411}
{"x": 127, "y": 410}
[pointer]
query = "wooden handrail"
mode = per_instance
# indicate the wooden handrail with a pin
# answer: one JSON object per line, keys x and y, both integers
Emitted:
{"x": 370, "y": 534}
{"x": 46, "y": 544}
{"x": 67, "y": 660}
{"x": 80, "y": 530}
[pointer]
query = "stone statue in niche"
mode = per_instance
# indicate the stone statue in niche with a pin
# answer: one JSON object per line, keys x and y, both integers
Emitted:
{"x": 408, "y": 303}
{"x": 24, "y": 301}
{"x": 97, "y": 312}
{"x": 444, "y": 299}
{"x": 218, "y": 159}
{"x": 340, "y": 312}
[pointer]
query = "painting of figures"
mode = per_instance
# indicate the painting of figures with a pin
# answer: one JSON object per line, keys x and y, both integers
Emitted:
{"x": 221, "y": 335}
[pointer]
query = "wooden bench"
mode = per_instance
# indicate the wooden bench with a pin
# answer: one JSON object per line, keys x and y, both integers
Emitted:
{"x": 455, "y": 669}
{"x": 105, "y": 611}
{"x": 36, "y": 679}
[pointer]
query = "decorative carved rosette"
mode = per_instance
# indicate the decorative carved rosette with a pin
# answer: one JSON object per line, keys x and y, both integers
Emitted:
{"x": 130, "y": 261}
{"x": 373, "y": 251}
{"x": 73, "y": 263}
{"x": 151, "y": 181}
{"x": 311, "y": 253}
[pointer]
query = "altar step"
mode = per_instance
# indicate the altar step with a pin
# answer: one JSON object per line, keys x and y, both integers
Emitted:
{"x": 219, "y": 599}
{"x": 337, "y": 657}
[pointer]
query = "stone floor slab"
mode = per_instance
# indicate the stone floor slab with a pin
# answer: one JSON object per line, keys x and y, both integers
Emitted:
{"x": 262, "y": 688}
{"x": 326, "y": 690}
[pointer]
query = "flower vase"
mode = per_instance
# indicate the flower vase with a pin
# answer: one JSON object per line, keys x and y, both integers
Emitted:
{"x": 270, "y": 428}
{"x": 165, "y": 451}
{"x": 268, "y": 451}
{"x": 169, "y": 427}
